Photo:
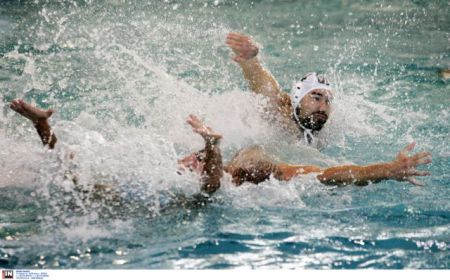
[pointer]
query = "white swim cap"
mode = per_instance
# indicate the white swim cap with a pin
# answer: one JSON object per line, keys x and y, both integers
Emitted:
{"x": 300, "y": 89}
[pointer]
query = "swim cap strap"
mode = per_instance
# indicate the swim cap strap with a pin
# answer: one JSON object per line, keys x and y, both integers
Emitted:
{"x": 299, "y": 90}
{"x": 307, "y": 133}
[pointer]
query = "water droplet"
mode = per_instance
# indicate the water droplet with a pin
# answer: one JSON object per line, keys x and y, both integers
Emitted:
{"x": 119, "y": 262}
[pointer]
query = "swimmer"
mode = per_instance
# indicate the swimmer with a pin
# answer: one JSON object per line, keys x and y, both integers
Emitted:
{"x": 305, "y": 111}
{"x": 253, "y": 164}
{"x": 107, "y": 195}
{"x": 39, "y": 118}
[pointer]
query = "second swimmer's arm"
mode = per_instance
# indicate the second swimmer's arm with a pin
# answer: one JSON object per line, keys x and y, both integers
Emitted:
{"x": 339, "y": 175}
{"x": 402, "y": 168}
{"x": 39, "y": 118}
{"x": 352, "y": 174}
{"x": 213, "y": 169}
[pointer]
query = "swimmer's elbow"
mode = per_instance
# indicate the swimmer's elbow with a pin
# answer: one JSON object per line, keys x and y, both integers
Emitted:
{"x": 210, "y": 187}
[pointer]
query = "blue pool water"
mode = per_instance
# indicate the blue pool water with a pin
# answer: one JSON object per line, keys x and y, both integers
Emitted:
{"x": 122, "y": 77}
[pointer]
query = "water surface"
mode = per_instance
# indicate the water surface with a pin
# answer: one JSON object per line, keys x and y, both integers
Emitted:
{"x": 123, "y": 76}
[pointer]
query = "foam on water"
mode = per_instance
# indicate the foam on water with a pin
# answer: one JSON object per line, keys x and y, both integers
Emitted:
{"x": 123, "y": 77}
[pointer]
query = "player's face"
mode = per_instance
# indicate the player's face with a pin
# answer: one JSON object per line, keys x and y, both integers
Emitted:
{"x": 192, "y": 163}
{"x": 315, "y": 109}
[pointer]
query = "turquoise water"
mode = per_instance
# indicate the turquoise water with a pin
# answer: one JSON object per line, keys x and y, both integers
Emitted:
{"x": 123, "y": 76}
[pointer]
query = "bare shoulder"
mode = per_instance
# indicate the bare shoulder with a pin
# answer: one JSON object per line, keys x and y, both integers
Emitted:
{"x": 284, "y": 99}
{"x": 284, "y": 106}
{"x": 279, "y": 111}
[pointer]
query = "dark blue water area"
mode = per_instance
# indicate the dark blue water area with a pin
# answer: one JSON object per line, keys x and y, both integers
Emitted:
{"x": 346, "y": 252}
{"x": 54, "y": 53}
{"x": 388, "y": 236}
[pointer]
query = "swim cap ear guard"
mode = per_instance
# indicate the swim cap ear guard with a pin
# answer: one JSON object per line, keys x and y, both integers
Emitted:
{"x": 300, "y": 89}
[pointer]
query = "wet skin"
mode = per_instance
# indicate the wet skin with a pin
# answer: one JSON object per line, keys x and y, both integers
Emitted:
{"x": 314, "y": 109}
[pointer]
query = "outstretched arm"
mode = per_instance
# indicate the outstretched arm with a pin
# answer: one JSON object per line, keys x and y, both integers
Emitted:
{"x": 39, "y": 118}
{"x": 403, "y": 168}
{"x": 212, "y": 163}
{"x": 259, "y": 79}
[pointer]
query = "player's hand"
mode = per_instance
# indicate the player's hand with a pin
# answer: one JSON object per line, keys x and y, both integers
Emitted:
{"x": 403, "y": 168}
{"x": 242, "y": 45}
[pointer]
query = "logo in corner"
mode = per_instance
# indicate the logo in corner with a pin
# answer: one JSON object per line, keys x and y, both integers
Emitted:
{"x": 7, "y": 274}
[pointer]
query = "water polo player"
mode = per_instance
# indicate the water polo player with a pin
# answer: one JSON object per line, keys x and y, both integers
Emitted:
{"x": 253, "y": 164}
{"x": 305, "y": 111}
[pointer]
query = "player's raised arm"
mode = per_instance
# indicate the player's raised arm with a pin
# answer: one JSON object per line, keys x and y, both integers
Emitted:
{"x": 39, "y": 118}
{"x": 212, "y": 163}
{"x": 259, "y": 79}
